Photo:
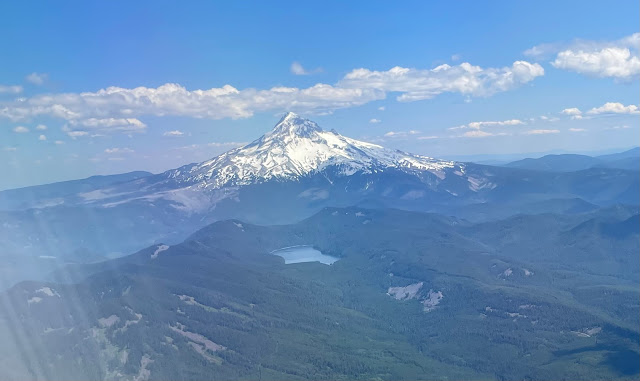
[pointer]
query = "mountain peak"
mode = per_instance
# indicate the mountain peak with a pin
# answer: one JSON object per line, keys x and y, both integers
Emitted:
{"x": 297, "y": 147}
{"x": 293, "y": 124}
{"x": 290, "y": 115}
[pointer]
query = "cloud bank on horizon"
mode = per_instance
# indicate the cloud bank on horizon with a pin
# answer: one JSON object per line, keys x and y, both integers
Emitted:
{"x": 116, "y": 109}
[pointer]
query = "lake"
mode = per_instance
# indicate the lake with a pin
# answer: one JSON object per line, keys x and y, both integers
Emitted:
{"x": 300, "y": 254}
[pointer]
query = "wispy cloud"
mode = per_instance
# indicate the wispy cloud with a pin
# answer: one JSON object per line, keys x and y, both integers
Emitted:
{"x": 400, "y": 134}
{"x": 622, "y": 127}
{"x": 510, "y": 122}
{"x": 116, "y": 150}
{"x": 37, "y": 78}
{"x": 20, "y": 129}
{"x": 42, "y": 138}
{"x": 541, "y": 132}
{"x": 10, "y": 89}
{"x": 477, "y": 134}
{"x": 547, "y": 118}
{"x": 226, "y": 144}
{"x": 174, "y": 133}
{"x": 99, "y": 127}
{"x": 374, "y": 120}
{"x": 297, "y": 69}
{"x": 194, "y": 147}
{"x": 477, "y": 130}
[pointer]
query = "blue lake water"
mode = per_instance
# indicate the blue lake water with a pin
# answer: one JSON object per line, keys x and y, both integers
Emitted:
{"x": 300, "y": 254}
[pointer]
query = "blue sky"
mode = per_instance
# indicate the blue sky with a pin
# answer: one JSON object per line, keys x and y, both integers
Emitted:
{"x": 470, "y": 78}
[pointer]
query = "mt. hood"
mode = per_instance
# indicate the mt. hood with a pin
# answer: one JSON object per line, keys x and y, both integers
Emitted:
{"x": 298, "y": 147}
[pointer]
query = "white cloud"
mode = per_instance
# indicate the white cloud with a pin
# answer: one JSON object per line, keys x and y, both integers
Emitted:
{"x": 548, "y": 118}
{"x": 15, "y": 89}
{"x": 478, "y": 125}
{"x": 41, "y": 127}
{"x": 381, "y": 108}
{"x": 118, "y": 150}
{"x": 615, "y": 59}
{"x": 174, "y": 133}
{"x": 544, "y": 50}
{"x": 358, "y": 87}
{"x": 416, "y": 84}
{"x": 374, "y": 120}
{"x": 572, "y": 111}
{"x": 10, "y": 149}
{"x": 74, "y": 134}
{"x": 195, "y": 147}
{"x": 614, "y": 108}
{"x": 37, "y": 78}
{"x": 427, "y": 137}
{"x": 172, "y": 99}
{"x": 42, "y": 138}
{"x": 20, "y": 129}
{"x": 456, "y": 57}
{"x": 608, "y": 62}
{"x": 623, "y": 127}
{"x": 226, "y": 144}
{"x": 397, "y": 134}
{"x": 297, "y": 69}
{"x": 541, "y": 132}
{"x": 577, "y": 130}
{"x": 59, "y": 142}
{"x": 99, "y": 127}
{"x": 477, "y": 134}
{"x": 127, "y": 124}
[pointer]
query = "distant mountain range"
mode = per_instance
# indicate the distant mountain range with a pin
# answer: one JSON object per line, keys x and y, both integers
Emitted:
{"x": 570, "y": 162}
{"x": 40, "y": 196}
{"x": 288, "y": 174}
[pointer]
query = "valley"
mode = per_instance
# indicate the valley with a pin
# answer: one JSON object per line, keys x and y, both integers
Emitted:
{"x": 413, "y": 296}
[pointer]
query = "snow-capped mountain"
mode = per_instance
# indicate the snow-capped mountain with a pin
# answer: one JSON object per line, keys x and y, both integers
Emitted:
{"x": 296, "y": 152}
{"x": 297, "y": 147}
{"x": 290, "y": 173}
